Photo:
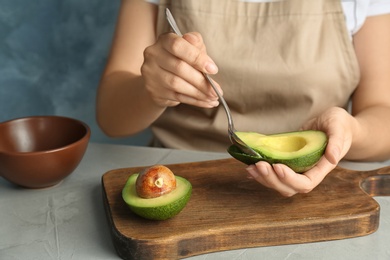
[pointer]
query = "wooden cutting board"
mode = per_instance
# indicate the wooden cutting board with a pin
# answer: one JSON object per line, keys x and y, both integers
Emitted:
{"x": 227, "y": 211}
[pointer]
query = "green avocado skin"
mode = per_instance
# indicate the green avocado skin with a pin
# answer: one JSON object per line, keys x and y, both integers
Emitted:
{"x": 163, "y": 213}
{"x": 298, "y": 165}
{"x": 235, "y": 152}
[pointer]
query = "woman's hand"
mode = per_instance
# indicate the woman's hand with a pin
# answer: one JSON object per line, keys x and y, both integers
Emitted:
{"x": 172, "y": 71}
{"x": 339, "y": 126}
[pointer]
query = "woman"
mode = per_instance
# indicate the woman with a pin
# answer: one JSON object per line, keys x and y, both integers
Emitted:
{"x": 282, "y": 66}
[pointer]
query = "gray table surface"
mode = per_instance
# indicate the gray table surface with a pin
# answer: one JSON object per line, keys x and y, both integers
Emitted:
{"x": 68, "y": 221}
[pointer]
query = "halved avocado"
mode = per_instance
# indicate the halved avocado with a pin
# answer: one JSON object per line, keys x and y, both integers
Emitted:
{"x": 298, "y": 150}
{"x": 160, "y": 208}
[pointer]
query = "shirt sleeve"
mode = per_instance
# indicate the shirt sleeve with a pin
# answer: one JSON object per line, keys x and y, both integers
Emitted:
{"x": 378, "y": 7}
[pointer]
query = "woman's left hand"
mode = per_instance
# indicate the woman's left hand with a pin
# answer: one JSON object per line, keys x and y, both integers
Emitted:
{"x": 338, "y": 124}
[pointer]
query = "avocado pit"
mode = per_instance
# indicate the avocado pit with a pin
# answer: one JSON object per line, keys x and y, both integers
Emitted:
{"x": 155, "y": 181}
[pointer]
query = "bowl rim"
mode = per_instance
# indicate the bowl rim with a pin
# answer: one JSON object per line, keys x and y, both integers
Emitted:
{"x": 85, "y": 136}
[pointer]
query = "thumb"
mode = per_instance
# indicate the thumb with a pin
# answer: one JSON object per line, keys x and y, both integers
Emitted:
{"x": 332, "y": 154}
{"x": 196, "y": 40}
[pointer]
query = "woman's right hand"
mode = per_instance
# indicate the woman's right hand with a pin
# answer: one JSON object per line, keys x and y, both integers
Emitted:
{"x": 172, "y": 71}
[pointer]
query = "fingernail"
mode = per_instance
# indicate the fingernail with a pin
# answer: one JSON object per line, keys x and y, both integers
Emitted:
{"x": 263, "y": 168}
{"x": 336, "y": 154}
{"x": 278, "y": 170}
{"x": 214, "y": 103}
{"x": 252, "y": 172}
{"x": 211, "y": 68}
{"x": 193, "y": 38}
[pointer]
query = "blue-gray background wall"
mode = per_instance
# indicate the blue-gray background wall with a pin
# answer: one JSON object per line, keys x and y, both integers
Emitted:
{"x": 52, "y": 53}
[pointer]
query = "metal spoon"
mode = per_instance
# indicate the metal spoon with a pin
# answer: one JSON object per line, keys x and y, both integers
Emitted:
{"x": 231, "y": 130}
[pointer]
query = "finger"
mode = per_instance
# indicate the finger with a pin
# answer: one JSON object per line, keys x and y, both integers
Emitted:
{"x": 256, "y": 175}
{"x": 188, "y": 73}
{"x": 338, "y": 145}
{"x": 178, "y": 90}
{"x": 165, "y": 60}
{"x": 267, "y": 177}
{"x": 169, "y": 98}
{"x": 162, "y": 74}
{"x": 186, "y": 92}
{"x": 320, "y": 170}
{"x": 333, "y": 152}
{"x": 196, "y": 102}
{"x": 195, "y": 39}
{"x": 339, "y": 141}
{"x": 297, "y": 183}
{"x": 309, "y": 125}
{"x": 304, "y": 183}
{"x": 191, "y": 54}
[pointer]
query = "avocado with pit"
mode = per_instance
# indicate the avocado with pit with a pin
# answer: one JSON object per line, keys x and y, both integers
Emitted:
{"x": 299, "y": 150}
{"x": 159, "y": 208}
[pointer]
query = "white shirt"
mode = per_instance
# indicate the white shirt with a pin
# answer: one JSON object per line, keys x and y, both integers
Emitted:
{"x": 356, "y": 11}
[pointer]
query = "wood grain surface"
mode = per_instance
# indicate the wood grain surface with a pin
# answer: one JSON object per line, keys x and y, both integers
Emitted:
{"x": 227, "y": 211}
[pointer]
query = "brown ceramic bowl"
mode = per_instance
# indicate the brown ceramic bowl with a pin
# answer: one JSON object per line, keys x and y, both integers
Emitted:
{"x": 40, "y": 151}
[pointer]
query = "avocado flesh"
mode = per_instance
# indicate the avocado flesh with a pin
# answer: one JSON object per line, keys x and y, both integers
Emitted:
{"x": 160, "y": 208}
{"x": 299, "y": 150}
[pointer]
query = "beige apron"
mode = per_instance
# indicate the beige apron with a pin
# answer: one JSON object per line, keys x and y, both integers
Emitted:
{"x": 280, "y": 64}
